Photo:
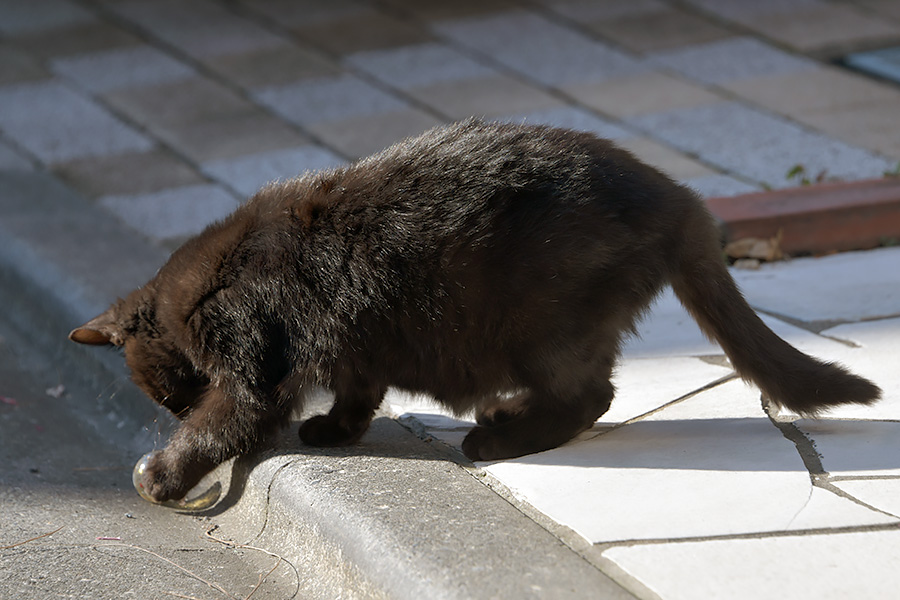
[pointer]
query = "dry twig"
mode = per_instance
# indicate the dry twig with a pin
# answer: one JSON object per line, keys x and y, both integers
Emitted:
{"x": 43, "y": 535}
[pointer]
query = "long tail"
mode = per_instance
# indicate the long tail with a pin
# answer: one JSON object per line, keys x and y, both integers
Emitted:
{"x": 787, "y": 376}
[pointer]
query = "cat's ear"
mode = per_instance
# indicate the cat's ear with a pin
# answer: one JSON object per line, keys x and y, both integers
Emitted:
{"x": 99, "y": 331}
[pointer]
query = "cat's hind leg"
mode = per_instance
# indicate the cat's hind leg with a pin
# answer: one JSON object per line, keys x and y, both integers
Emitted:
{"x": 535, "y": 421}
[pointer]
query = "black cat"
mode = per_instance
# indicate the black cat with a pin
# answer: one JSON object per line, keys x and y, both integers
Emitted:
{"x": 476, "y": 261}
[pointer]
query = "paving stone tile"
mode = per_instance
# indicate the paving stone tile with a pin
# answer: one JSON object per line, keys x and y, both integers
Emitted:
{"x": 200, "y": 28}
{"x": 174, "y": 213}
{"x": 17, "y": 66}
{"x": 757, "y": 145}
{"x": 56, "y": 124}
{"x": 540, "y": 49}
{"x": 821, "y": 88}
{"x": 593, "y": 10}
{"x": 307, "y": 12}
{"x": 417, "y": 66}
{"x": 675, "y": 164}
{"x": 884, "y": 8}
{"x": 269, "y": 67}
{"x": 821, "y": 26}
{"x": 648, "y": 92}
{"x": 328, "y": 99}
{"x": 731, "y": 59}
{"x": 718, "y": 186}
{"x": 883, "y": 494}
{"x": 78, "y": 39}
{"x": 855, "y": 448}
{"x": 570, "y": 117}
{"x": 740, "y": 11}
{"x": 358, "y": 33}
{"x": 488, "y": 97}
{"x": 875, "y": 126}
{"x": 850, "y": 286}
{"x": 26, "y": 17}
{"x": 12, "y": 160}
{"x": 873, "y": 356}
{"x": 121, "y": 68}
{"x": 710, "y": 465}
{"x": 127, "y": 174}
{"x": 659, "y": 30}
{"x": 360, "y": 136}
{"x": 247, "y": 174}
{"x": 834, "y": 565}
{"x": 179, "y": 103}
{"x": 441, "y": 9}
{"x": 231, "y": 136}
{"x": 643, "y": 385}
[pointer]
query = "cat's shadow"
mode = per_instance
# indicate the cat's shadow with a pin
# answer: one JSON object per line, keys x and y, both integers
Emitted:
{"x": 865, "y": 448}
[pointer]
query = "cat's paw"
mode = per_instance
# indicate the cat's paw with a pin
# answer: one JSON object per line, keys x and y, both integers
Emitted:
{"x": 156, "y": 481}
{"x": 326, "y": 431}
{"x": 483, "y": 443}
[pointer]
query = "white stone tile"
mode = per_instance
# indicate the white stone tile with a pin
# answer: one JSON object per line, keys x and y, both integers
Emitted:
{"x": 716, "y": 186}
{"x": 121, "y": 68}
{"x": 849, "y": 286}
{"x": 727, "y": 60}
{"x": 646, "y": 384}
{"x": 540, "y": 49}
{"x": 28, "y": 17}
{"x": 835, "y": 566}
{"x": 875, "y": 357}
{"x": 570, "y": 117}
{"x": 328, "y": 99}
{"x": 720, "y": 467}
{"x": 757, "y": 145}
{"x": 57, "y": 124}
{"x": 855, "y": 448}
{"x": 883, "y": 494}
{"x": 172, "y": 213}
{"x": 419, "y": 65}
{"x": 247, "y": 174}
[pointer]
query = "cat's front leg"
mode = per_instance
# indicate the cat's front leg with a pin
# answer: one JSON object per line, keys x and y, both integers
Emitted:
{"x": 348, "y": 419}
{"x": 220, "y": 428}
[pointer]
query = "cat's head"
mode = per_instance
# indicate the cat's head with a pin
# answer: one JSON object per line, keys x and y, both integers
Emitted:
{"x": 157, "y": 364}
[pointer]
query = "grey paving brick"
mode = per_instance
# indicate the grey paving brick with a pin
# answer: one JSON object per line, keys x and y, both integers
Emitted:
{"x": 491, "y": 97}
{"x": 174, "y": 213}
{"x": 247, "y": 174}
{"x": 24, "y": 17}
{"x": 200, "y": 28}
{"x": 179, "y": 103}
{"x": 741, "y": 10}
{"x": 76, "y": 39}
{"x": 18, "y": 67}
{"x": 728, "y": 60}
{"x": 12, "y": 160}
{"x": 590, "y": 10}
{"x": 571, "y": 117}
{"x": 540, "y": 49}
{"x": 122, "y": 68}
{"x": 419, "y": 65}
{"x": 127, "y": 174}
{"x": 757, "y": 145}
{"x": 328, "y": 99}
{"x": 372, "y": 30}
{"x": 307, "y": 12}
{"x": 356, "y": 137}
{"x": 269, "y": 67}
{"x": 718, "y": 185}
{"x": 56, "y": 124}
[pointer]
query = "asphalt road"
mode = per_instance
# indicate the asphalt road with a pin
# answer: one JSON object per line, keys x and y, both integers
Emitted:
{"x": 71, "y": 526}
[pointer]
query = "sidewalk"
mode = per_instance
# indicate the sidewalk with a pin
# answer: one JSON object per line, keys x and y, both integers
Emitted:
{"x": 126, "y": 126}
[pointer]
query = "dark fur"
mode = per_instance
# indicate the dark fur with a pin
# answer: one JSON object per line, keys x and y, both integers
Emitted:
{"x": 473, "y": 262}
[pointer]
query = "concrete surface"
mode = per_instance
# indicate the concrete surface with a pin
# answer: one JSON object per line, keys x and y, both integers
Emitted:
{"x": 126, "y": 126}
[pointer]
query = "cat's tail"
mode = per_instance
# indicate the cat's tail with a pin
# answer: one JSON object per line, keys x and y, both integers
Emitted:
{"x": 786, "y": 376}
